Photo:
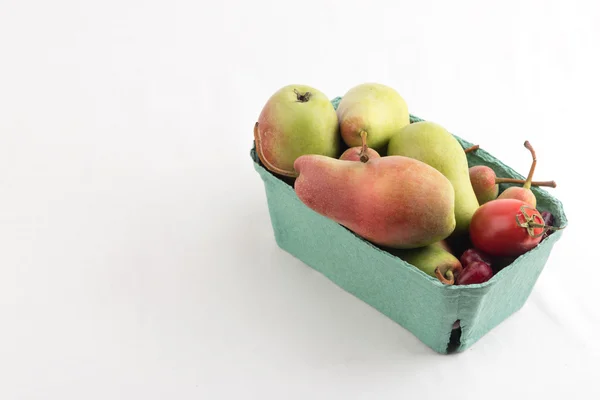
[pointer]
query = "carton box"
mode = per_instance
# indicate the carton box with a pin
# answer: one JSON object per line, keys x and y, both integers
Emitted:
{"x": 445, "y": 318}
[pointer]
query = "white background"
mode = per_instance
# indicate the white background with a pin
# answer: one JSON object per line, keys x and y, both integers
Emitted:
{"x": 137, "y": 259}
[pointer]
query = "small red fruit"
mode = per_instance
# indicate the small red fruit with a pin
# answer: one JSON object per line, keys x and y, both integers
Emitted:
{"x": 476, "y": 272}
{"x": 471, "y": 255}
{"x": 506, "y": 227}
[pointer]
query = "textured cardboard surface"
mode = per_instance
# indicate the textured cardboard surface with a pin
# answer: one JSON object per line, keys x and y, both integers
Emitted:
{"x": 413, "y": 299}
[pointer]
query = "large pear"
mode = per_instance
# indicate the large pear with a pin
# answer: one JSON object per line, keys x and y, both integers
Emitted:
{"x": 397, "y": 202}
{"x": 432, "y": 144}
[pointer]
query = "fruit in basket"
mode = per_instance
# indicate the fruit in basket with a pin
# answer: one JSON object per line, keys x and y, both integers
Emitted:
{"x": 548, "y": 218}
{"x": 354, "y": 154}
{"x": 523, "y": 193}
{"x": 369, "y": 114}
{"x": 485, "y": 183}
{"x": 475, "y": 272}
{"x": 434, "y": 145}
{"x": 471, "y": 255}
{"x": 296, "y": 120}
{"x": 506, "y": 227}
{"x": 392, "y": 201}
{"x": 483, "y": 180}
{"x": 435, "y": 260}
{"x": 549, "y": 221}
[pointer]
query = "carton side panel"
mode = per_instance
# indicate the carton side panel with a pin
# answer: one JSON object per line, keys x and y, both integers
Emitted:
{"x": 508, "y": 294}
{"x": 400, "y": 291}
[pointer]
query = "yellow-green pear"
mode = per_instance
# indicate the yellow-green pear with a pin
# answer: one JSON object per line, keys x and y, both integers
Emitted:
{"x": 296, "y": 120}
{"x": 432, "y": 144}
{"x": 370, "y": 114}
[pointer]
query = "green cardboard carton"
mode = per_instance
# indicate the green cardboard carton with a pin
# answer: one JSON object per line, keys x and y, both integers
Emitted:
{"x": 413, "y": 299}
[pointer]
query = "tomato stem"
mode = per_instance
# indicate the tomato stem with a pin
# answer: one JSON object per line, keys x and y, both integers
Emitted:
{"x": 530, "y": 223}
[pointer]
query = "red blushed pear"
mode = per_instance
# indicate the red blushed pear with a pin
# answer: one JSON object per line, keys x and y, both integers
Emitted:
{"x": 523, "y": 193}
{"x": 393, "y": 201}
{"x": 296, "y": 120}
{"x": 358, "y": 154}
{"x": 483, "y": 180}
{"x": 485, "y": 183}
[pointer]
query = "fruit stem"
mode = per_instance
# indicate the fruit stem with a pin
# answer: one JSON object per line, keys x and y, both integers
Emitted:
{"x": 302, "y": 97}
{"x": 443, "y": 279}
{"x": 527, "y": 184}
{"x": 447, "y": 278}
{"x": 530, "y": 223}
{"x": 533, "y": 183}
{"x": 471, "y": 149}
{"x": 364, "y": 157}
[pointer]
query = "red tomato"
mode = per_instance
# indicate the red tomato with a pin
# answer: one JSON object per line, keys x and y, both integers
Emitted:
{"x": 506, "y": 227}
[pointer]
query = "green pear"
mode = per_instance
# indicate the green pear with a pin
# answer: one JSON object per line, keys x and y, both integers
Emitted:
{"x": 296, "y": 120}
{"x": 434, "y": 145}
{"x": 435, "y": 260}
{"x": 370, "y": 114}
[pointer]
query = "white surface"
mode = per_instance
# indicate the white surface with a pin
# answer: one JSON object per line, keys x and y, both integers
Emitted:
{"x": 137, "y": 259}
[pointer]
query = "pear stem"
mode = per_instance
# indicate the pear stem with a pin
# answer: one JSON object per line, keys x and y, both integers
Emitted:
{"x": 364, "y": 157}
{"x": 443, "y": 279}
{"x": 527, "y": 184}
{"x": 447, "y": 278}
{"x": 302, "y": 97}
{"x": 521, "y": 181}
{"x": 471, "y": 149}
